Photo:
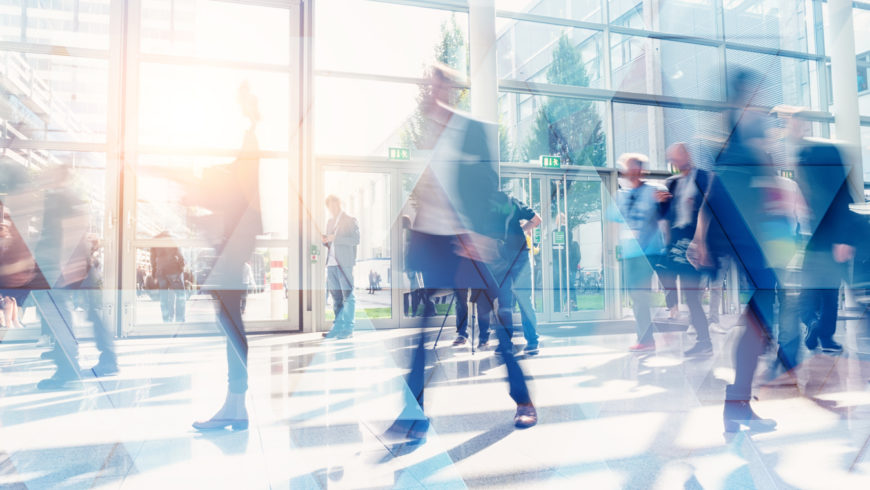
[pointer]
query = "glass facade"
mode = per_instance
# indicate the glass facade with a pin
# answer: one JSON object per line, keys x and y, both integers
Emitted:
{"x": 118, "y": 116}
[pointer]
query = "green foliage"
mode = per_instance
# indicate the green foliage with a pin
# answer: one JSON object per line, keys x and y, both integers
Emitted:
{"x": 570, "y": 128}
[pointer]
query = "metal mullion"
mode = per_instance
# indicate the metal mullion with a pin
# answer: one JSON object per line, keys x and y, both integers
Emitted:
{"x": 382, "y": 78}
{"x": 278, "y": 4}
{"x": 206, "y": 151}
{"x": 168, "y": 59}
{"x": 664, "y": 36}
{"x": 784, "y": 53}
{"x": 17, "y": 144}
{"x": 454, "y": 5}
{"x": 543, "y": 19}
{"x": 55, "y": 50}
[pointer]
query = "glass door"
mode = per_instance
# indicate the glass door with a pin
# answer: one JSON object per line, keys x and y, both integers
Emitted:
{"x": 571, "y": 268}
{"x": 574, "y": 247}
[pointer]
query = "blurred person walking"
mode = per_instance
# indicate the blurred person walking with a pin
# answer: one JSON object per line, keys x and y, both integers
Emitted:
{"x": 640, "y": 241}
{"x": 458, "y": 238}
{"x": 231, "y": 193}
{"x": 734, "y": 219}
{"x": 680, "y": 206}
{"x": 167, "y": 266}
{"x": 341, "y": 240}
{"x": 823, "y": 177}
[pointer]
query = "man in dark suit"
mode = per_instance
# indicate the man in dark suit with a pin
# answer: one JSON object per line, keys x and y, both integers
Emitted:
{"x": 680, "y": 206}
{"x": 822, "y": 176}
{"x": 341, "y": 240}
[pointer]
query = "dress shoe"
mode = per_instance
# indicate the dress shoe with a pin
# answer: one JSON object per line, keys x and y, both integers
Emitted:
{"x": 526, "y": 416}
{"x": 700, "y": 349}
{"x": 220, "y": 424}
{"x": 830, "y": 346}
{"x": 459, "y": 341}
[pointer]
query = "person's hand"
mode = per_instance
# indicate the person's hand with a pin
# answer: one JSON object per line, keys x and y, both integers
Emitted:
{"x": 697, "y": 254}
{"x": 663, "y": 196}
{"x": 843, "y": 252}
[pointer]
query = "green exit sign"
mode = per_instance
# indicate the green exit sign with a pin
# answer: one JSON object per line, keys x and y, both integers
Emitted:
{"x": 788, "y": 174}
{"x": 536, "y": 235}
{"x": 400, "y": 154}
{"x": 551, "y": 161}
{"x": 559, "y": 237}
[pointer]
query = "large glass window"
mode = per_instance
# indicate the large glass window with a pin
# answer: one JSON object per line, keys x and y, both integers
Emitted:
{"x": 544, "y": 53}
{"x": 585, "y": 10}
{"x": 666, "y": 68}
{"x": 778, "y": 24}
{"x": 353, "y": 36}
{"x": 690, "y": 18}
{"x": 567, "y": 127}
{"x": 73, "y": 24}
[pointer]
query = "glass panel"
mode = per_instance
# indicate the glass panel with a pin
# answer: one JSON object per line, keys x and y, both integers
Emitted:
{"x": 169, "y": 283}
{"x": 649, "y": 130}
{"x": 159, "y": 201}
{"x": 865, "y": 153}
{"x": 197, "y": 107}
{"x": 53, "y": 97}
{"x": 576, "y": 243}
{"x": 72, "y": 24}
{"x": 210, "y": 29}
{"x": 414, "y": 37}
{"x": 361, "y": 117}
{"x": 537, "y": 125}
{"x": 778, "y": 24}
{"x": 528, "y": 191}
{"x": 690, "y": 18}
{"x": 585, "y": 10}
{"x": 785, "y": 80}
{"x": 366, "y": 197}
{"x": 544, "y": 53}
{"x": 685, "y": 70}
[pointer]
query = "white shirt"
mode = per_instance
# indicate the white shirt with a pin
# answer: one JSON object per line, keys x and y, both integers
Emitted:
{"x": 687, "y": 192}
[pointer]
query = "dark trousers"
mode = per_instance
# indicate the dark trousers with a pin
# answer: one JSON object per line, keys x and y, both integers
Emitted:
{"x": 228, "y": 305}
{"x": 173, "y": 297}
{"x": 461, "y": 299}
{"x": 758, "y": 332}
{"x": 820, "y": 293}
{"x": 690, "y": 284}
{"x": 452, "y": 271}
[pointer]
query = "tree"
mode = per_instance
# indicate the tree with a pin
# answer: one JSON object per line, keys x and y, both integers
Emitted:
{"x": 451, "y": 51}
{"x": 570, "y": 128}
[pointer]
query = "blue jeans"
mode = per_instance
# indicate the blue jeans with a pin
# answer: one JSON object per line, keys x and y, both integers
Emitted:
{"x": 173, "y": 297}
{"x": 340, "y": 285}
{"x": 521, "y": 276}
{"x": 638, "y": 275}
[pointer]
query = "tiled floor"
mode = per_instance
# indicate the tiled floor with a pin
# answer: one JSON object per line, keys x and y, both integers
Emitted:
{"x": 608, "y": 419}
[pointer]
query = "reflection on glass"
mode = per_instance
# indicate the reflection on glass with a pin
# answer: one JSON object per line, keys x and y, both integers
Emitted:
{"x": 684, "y": 70}
{"x": 169, "y": 280}
{"x": 534, "y": 125}
{"x": 695, "y": 18}
{"x": 53, "y": 97}
{"x": 576, "y": 236}
{"x": 366, "y": 197}
{"x": 211, "y": 30}
{"x": 72, "y": 24}
{"x": 585, "y": 10}
{"x": 545, "y": 53}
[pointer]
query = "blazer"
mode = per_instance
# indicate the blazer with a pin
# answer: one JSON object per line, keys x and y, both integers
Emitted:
{"x": 346, "y": 241}
{"x": 822, "y": 176}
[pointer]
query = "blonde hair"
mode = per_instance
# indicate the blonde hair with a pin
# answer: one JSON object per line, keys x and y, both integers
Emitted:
{"x": 638, "y": 158}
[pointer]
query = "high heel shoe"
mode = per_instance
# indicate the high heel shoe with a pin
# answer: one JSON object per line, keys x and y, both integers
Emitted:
{"x": 220, "y": 424}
